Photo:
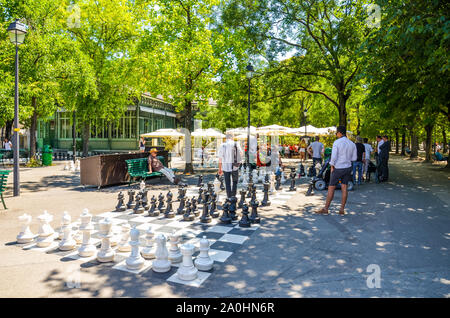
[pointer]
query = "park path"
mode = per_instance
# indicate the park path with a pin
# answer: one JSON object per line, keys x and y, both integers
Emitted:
{"x": 402, "y": 226}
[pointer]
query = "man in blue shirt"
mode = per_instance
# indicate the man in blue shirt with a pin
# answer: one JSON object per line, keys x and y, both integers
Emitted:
{"x": 342, "y": 155}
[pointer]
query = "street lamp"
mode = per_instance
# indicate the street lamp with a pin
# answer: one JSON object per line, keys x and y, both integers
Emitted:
{"x": 17, "y": 33}
{"x": 250, "y": 71}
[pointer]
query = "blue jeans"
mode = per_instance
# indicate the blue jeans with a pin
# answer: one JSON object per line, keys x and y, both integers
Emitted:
{"x": 357, "y": 165}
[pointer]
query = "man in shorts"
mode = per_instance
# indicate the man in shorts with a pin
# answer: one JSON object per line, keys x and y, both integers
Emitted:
{"x": 342, "y": 155}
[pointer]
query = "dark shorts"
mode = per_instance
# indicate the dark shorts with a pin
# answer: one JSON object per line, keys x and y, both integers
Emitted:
{"x": 345, "y": 175}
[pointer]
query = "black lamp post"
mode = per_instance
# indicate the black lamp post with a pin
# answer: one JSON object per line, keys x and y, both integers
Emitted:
{"x": 17, "y": 33}
{"x": 250, "y": 71}
{"x": 305, "y": 113}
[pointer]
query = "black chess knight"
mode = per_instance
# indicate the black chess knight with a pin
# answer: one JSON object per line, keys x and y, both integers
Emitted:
{"x": 205, "y": 218}
{"x": 169, "y": 210}
{"x": 161, "y": 202}
{"x": 194, "y": 210}
{"x": 213, "y": 208}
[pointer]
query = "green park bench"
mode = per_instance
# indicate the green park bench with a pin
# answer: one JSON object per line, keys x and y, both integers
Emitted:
{"x": 138, "y": 168}
{"x": 3, "y": 178}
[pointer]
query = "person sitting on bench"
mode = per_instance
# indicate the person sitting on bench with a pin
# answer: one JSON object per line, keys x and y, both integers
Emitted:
{"x": 155, "y": 165}
{"x": 439, "y": 156}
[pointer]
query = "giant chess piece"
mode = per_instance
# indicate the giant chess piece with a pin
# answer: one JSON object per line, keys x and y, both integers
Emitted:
{"x": 120, "y": 207}
{"x": 242, "y": 200}
{"x": 200, "y": 181}
{"x": 249, "y": 189}
{"x": 188, "y": 216}
{"x": 217, "y": 184}
{"x": 203, "y": 262}
{"x": 169, "y": 210}
{"x": 205, "y": 197}
{"x": 254, "y": 218}
{"x": 138, "y": 209}
{"x": 244, "y": 180}
{"x": 302, "y": 170}
{"x": 148, "y": 252}
{"x": 225, "y": 218}
{"x": 180, "y": 209}
{"x": 245, "y": 221}
{"x": 174, "y": 251}
{"x": 232, "y": 209}
{"x": 210, "y": 186}
{"x": 272, "y": 183}
{"x": 142, "y": 186}
{"x": 200, "y": 195}
{"x": 253, "y": 193}
{"x": 46, "y": 232}
{"x": 131, "y": 204}
{"x": 278, "y": 185}
{"x": 65, "y": 222}
{"x": 161, "y": 203}
{"x": 222, "y": 180}
{"x": 169, "y": 195}
{"x": 283, "y": 178}
{"x": 161, "y": 264}
{"x": 213, "y": 209}
{"x": 187, "y": 270}
{"x": 265, "y": 201}
{"x": 106, "y": 253}
{"x": 260, "y": 176}
{"x": 135, "y": 261}
{"x": 123, "y": 245}
{"x": 195, "y": 211}
{"x": 267, "y": 178}
{"x": 152, "y": 211}
{"x": 205, "y": 218}
{"x": 180, "y": 193}
{"x": 87, "y": 248}
{"x": 25, "y": 235}
{"x": 67, "y": 243}
{"x": 255, "y": 176}
{"x": 144, "y": 199}
{"x": 292, "y": 175}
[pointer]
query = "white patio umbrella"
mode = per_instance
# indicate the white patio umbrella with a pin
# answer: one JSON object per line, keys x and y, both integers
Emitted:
{"x": 210, "y": 132}
{"x": 242, "y": 130}
{"x": 273, "y": 130}
{"x": 163, "y": 133}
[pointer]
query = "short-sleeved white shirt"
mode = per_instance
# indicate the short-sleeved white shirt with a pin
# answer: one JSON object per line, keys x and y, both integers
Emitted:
{"x": 226, "y": 155}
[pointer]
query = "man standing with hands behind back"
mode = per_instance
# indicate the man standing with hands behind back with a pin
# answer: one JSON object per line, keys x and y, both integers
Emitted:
{"x": 230, "y": 156}
{"x": 342, "y": 155}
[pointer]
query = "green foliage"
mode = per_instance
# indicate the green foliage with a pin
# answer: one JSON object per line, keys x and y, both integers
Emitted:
{"x": 34, "y": 163}
{"x": 169, "y": 143}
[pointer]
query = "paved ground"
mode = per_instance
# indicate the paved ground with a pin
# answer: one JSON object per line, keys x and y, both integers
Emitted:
{"x": 402, "y": 226}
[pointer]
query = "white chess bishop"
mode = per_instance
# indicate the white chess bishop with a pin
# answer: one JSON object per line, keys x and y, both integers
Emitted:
{"x": 203, "y": 262}
{"x": 65, "y": 222}
{"x": 106, "y": 253}
{"x": 46, "y": 232}
{"x": 161, "y": 264}
{"x": 67, "y": 243}
{"x": 135, "y": 260}
{"x": 87, "y": 248}
{"x": 25, "y": 235}
{"x": 187, "y": 270}
{"x": 174, "y": 251}
{"x": 148, "y": 252}
{"x": 124, "y": 245}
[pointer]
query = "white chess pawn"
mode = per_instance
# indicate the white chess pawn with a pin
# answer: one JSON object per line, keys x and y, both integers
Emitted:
{"x": 87, "y": 248}
{"x": 65, "y": 222}
{"x": 187, "y": 270}
{"x": 45, "y": 234}
{"x": 142, "y": 185}
{"x": 66, "y": 166}
{"x": 216, "y": 185}
{"x": 203, "y": 262}
{"x": 174, "y": 251}
{"x": 148, "y": 252}
{"x": 25, "y": 235}
{"x": 77, "y": 166}
{"x": 124, "y": 245}
{"x": 106, "y": 253}
{"x": 272, "y": 183}
{"x": 135, "y": 260}
{"x": 161, "y": 264}
{"x": 245, "y": 180}
{"x": 72, "y": 166}
{"x": 67, "y": 243}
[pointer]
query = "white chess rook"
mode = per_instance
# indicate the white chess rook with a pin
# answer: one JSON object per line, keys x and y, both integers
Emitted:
{"x": 25, "y": 235}
{"x": 135, "y": 260}
{"x": 187, "y": 270}
{"x": 203, "y": 262}
{"x": 174, "y": 251}
{"x": 161, "y": 264}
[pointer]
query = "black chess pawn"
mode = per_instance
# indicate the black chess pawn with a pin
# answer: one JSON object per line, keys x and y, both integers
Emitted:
{"x": 169, "y": 195}
{"x": 278, "y": 183}
{"x": 292, "y": 175}
{"x": 180, "y": 209}
{"x": 131, "y": 203}
{"x": 213, "y": 208}
{"x": 161, "y": 202}
{"x": 245, "y": 221}
{"x": 242, "y": 200}
{"x": 266, "y": 178}
{"x": 222, "y": 180}
{"x": 225, "y": 218}
{"x": 169, "y": 210}
{"x": 302, "y": 170}
{"x": 138, "y": 209}
{"x": 254, "y": 218}
{"x": 253, "y": 193}
{"x": 232, "y": 208}
{"x": 120, "y": 207}
{"x": 153, "y": 211}
{"x": 249, "y": 189}
{"x": 188, "y": 216}
{"x": 265, "y": 201}
{"x": 200, "y": 181}
{"x": 194, "y": 207}
{"x": 145, "y": 199}
{"x": 205, "y": 218}
{"x": 200, "y": 195}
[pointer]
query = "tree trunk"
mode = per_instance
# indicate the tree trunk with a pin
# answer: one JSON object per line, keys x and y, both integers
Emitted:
{"x": 342, "y": 111}
{"x": 428, "y": 141}
{"x": 86, "y": 135}
{"x": 444, "y": 136}
{"x": 8, "y": 125}
{"x": 358, "y": 127}
{"x": 188, "y": 168}
{"x": 402, "y": 153}
{"x": 396, "y": 141}
{"x": 414, "y": 145}
{"x": 33, "y": 128}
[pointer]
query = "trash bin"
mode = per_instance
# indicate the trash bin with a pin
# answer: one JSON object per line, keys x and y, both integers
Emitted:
{"x": 47, "y": 155}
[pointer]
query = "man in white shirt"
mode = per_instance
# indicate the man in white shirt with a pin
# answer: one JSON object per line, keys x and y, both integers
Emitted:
{"x": 230, "y": 157}
{"x": 369, "y": 150}
{"x": 317, "y": 149}
{"x": 342, "y": 155}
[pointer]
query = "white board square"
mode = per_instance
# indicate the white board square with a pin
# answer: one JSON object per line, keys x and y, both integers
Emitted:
{"x": 201, "y": 277}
